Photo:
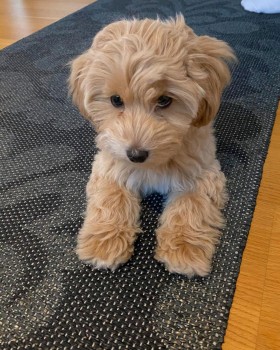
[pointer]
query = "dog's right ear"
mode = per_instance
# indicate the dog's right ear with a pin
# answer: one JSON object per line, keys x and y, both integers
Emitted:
{"x": 77, "y": 81}
{"x": 80, "y": 66}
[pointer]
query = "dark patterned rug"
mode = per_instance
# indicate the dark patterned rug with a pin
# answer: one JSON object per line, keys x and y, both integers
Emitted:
{"x": 49, "y": 300}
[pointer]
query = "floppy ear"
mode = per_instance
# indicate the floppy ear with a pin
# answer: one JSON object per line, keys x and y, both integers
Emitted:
{"x": 77, "y": 81}
{"x": 80, "y": 67}
{"x": 208, "y": 65}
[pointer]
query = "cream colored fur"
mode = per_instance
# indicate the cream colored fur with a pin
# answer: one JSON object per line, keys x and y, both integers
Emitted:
{"x": 141, "y": 60}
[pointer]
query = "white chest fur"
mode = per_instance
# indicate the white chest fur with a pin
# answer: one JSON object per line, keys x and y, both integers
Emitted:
{"x": 166, "y": 181}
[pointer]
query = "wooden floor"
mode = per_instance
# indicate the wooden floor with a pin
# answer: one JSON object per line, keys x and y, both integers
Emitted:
{"x": 254, "y": 321}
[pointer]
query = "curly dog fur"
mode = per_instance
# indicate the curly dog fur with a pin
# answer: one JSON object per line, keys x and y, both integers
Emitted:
{"x": 151, "y": 89}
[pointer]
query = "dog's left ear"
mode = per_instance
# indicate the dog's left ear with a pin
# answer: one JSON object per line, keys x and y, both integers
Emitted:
{"x": 207, "y": 64}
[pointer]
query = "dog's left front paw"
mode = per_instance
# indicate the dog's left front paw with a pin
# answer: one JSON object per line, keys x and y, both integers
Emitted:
{"x": 180, "y": 256}
{"x": 186, "y": 260}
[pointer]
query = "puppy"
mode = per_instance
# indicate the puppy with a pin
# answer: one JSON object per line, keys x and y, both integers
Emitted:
{"x": 151, "y": 89}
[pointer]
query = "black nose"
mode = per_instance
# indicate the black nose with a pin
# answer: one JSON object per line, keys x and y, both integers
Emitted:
{"x": 137, "y": 155}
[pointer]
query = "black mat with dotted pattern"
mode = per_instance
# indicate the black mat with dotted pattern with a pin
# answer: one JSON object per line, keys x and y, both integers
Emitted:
{"x": 49, "y": 300}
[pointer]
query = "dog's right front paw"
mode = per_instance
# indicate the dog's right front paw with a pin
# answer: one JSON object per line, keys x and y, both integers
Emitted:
{"x": 104, "y": 251}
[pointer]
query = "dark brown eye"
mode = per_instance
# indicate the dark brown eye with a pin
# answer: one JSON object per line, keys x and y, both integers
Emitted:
{"x": 117, "y": 101}
{"x": 164, "y": 101}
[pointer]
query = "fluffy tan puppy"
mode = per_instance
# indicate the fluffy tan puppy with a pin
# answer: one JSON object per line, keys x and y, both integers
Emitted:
{"x": 151, "y": 89}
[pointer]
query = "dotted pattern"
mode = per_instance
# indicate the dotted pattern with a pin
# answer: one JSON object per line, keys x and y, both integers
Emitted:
{"x": 48, "y": 299}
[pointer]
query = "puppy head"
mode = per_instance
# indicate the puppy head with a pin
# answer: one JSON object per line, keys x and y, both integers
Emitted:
{"x": 143, "y": 83}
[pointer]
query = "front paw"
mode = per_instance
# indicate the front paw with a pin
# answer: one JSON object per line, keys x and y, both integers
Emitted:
{"x": 185, "y": 257}
{"x": 107, "y": 249}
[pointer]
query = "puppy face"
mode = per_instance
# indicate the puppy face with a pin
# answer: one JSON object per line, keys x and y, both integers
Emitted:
{"x": 144, "y": 83}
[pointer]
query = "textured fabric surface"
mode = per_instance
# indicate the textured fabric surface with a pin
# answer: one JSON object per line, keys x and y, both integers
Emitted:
{"x": 49, "y": 300}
